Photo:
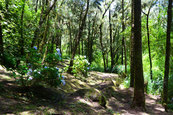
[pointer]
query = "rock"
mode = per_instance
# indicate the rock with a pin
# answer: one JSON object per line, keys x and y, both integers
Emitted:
{"x": 92, "y": 94}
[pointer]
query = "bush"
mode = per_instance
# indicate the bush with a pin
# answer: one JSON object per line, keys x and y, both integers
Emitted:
{"x": 35, "y": 72}
{"x": 81, "y": 66}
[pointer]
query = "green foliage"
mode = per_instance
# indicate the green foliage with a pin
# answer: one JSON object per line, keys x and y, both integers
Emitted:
{"x": 97, "y": 64}
{"x": 119, "y": 69}
{"x": 27, "y": 76}
{"x": 170, "y": 88}
{"x": 170, "y": 106}
{"x": 126, "y": 82}
{"x": 53, "y": 58}
{"x": 81, "y": 66}
{"x": 31, "y": 71}
{"x": 10, "y": 60}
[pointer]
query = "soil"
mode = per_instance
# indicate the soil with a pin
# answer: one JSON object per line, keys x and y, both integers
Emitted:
{"x": 77, "y": 97}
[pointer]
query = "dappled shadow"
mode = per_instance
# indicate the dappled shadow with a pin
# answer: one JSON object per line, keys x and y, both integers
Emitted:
{"x": 45, "y": 100}
{"x": 122, "y": 99}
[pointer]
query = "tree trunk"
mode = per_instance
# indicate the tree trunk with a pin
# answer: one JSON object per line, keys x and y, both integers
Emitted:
{"x": 44, "y": 39}
{"x": 1, "y": 46}
{"x": 102, "y": 48}
{"x": 36, "y": 6}
{"x": 43, "y": 16}
{"x": 148, "y": 36}
{"x": 149, "y": 51}
{"x": 131, "y": 46}
{"x": 139, "y": 97}
{"x": 89, "y": 40}
{"x": 71, "y": 44}
{"x": 123, "y": 27}
{"x": 78, "y": 38}
{"x": 167, "y": 58}
{"x": 123, "y": 39}
{"x": 21, "y": 42}
{"x": 111, "y": 49}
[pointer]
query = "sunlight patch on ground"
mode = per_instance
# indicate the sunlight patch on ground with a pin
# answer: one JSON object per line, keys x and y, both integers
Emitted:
{"x": 5, "y": 77}
{"x": 160, "y": 109}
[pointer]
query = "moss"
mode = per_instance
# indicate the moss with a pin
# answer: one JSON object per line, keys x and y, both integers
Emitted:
{"x": 102, "y": 101}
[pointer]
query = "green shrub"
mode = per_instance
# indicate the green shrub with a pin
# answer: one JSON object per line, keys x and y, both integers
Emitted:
{"x": 81, "y": 66}
{"x": 35, "y": 72}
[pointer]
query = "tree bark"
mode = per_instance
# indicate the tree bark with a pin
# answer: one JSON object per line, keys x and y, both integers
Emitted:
{"x": 123, "y": 39}
{"x": 149, "y": 50}
{"x": 70, "y": 35}
{"x": 91, "y": 40}
{"x": 131, "y": 46}
{"x": 1, "y": 46}
{"x": 148, "y": 36}
{"x": 139, "y": 97}
{"x": 111, "y": 49}
{"x": 44, "y": 39}
{"x": 102, "y": 47}
{"x": 167, "y": 58}
{"x": 123, "y": 27}
{"x": 21, "y": 42}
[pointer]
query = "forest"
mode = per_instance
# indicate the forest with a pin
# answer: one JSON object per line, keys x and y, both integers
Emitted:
{"x": 86, "y": 57}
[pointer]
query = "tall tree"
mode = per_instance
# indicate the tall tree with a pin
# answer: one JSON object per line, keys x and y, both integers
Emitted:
{"x": 111, "y": 49}
{"x": 148, "y": 36}
{"x": 101, "y": 37}
{"x": 78, "y": 38}
{"x": 1, "y": 45}
{"x": 123, "y": 39}
{"x": 1, "y": 40}
{"x": 139, "y": 97}
{"x": 21, "y": 30}
{"x": 167, "y": 58}
{"x": 131, "y": 46}
{"x": 43, "y": 17}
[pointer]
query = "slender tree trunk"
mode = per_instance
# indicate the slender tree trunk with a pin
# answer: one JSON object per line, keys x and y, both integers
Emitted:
{"x": 131, "y": 47}
{"x": 101, "y": 35}
{"x": 125, "y": 55}
{"x": 102, "y": 47}
{"x": 111, "y": 49}
{"x": 1, "y": 45}
{"x": 89, "y": 40}
{"x": 71, "y": 44}
{"x": 149, "y": 51}
{"x": 123, "y": 39}
{"x": 139, "y": 97}
{"x": 123, "y": 28}
{"x": 82, "y": 47}
{"x": 81, "y": 36}
{"x": 44, "y": 39}
{"x": 167, "y": 58}
{"x": 78, "y": 38}
{"x": 21, "y": 31}
{"x": 36, "y": 6}
{"x": 43, "y": 16}
{"x": 52, "y": 44}
{"x": 148, "y": 36}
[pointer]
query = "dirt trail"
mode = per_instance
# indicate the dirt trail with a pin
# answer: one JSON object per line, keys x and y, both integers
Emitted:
{"x": 73, "y": 98}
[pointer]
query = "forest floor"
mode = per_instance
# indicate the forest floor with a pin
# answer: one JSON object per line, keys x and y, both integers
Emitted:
{"x": 77, "y": 97}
